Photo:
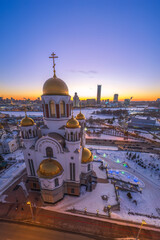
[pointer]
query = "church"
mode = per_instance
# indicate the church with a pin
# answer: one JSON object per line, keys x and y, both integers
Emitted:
{"x": 56, "y": 158}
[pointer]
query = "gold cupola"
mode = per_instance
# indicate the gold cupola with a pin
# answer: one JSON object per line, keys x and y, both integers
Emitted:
{"x": 86, "y": 156}
{"x": 26, "y": 121}
{"x": 49, "y": 168}
{"x": 80, "y": 116}
{"x": 54, "y": 85}
{"x": 72, "y": 123}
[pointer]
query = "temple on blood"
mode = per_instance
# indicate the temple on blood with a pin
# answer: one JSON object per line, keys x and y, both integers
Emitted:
{"x": 57, "y": 161}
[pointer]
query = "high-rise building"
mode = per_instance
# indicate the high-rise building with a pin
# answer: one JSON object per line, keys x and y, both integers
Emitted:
{"x": 75, "y": 100}
{"x": 99, "y": 94}
{"x": 115, "y": 99}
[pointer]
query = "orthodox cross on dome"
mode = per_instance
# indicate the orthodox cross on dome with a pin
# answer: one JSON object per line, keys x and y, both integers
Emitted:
{"x": 53, "y": 55}
{"x": 25, "y": 110}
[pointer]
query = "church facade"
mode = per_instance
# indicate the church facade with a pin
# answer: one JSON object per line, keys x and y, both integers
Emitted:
{"x": 56, "y": 158}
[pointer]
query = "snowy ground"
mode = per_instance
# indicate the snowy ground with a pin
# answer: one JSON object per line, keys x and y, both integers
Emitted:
{"x": 100, "y": 173}
{"x": 102, "y": 147}
{"x": 121, "y": 157}
{"x": 146, "y": 203}
{"x": 110, "y": 137}
{"x": 17, "y": 156}
{"x": 9, "y": 175}
{"x": 92, "y": 201}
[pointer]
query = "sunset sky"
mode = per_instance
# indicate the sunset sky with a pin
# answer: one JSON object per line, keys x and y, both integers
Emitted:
{"x": 115, "y": 43}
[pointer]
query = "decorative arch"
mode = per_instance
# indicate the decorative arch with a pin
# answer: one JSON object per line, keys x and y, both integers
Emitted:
{"x": 52, "y": 108}
{"x": 62, "y": 108}
{"x": 45, "y": 142}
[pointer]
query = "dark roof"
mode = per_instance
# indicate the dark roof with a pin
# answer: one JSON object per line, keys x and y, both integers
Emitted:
{"x": 58, "y": 138}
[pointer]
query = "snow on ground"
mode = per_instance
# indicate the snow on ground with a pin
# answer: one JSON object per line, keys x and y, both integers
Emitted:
{"x": 121, "y": 157}
{"x": 92, "y": 201}
{"x": 102, "y": 147}
{"x": 110, "y": 137}
{"x": 17, "y": 155}
{"x": 10, "y": 174}
{"x": 100, "y": 173}
{"x": 146, "y": 204}
{"x": 125, "y": 176}
{"x": 147, "y": 201}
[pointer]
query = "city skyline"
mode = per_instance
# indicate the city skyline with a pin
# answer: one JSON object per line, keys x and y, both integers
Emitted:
{"x": 110, "y": 43}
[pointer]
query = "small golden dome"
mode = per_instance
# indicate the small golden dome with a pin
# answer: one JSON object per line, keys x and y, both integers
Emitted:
{"x": 26, "y": 121}
{"x": 80, "y": 116}
{"x": 86, "y": 155}
{"x": 49, "y": 168}
{"x": 72, "y": 123}
{"x": 1, "y": 126}
{"x": 55, "y": 86}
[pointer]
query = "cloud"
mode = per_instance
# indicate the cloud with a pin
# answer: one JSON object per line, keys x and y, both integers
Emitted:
{"x": 84, "y": 72}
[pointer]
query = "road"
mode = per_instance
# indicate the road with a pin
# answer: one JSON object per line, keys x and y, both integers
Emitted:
{"x": 14, "y": 231}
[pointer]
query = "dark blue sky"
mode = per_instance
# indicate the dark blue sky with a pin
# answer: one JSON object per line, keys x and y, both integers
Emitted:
{"x": 115, "y": 43}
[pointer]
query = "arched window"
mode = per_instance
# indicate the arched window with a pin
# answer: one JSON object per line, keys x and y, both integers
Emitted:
{"x": 56, "y": 182}
{"x": 62, "y": 108}
{"x": 52, "y": 109}
{"x": 71, "y": 136}
{"x": 31, "y": 166}
{"x": 89, "y": 167}
{"x": 49, "y": 152}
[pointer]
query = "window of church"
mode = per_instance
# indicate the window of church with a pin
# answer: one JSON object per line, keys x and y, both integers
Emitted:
{"x": 49, "y": 152}
{"x": 72, "y": 171}
{"x": 72, "y": 158}
{"x": 31, "y": 166}
{"x": 89, "y": 167}
{"x": 56, "y": 182}
{"x": 62, "y": 108}
{"x": 71, "y": 136}
{"x": 52, "y": 109}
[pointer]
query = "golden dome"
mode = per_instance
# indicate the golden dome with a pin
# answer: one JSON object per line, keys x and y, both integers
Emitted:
{"x": 80, "y": 116}
{"x": 26, "y": 121}
{"x": 49, "y": 168}
{"x": 55, "y": 86}
{"x": 86, "y": 155}
{"x": 72, "y": 123}
{"x": 1, "y": 126}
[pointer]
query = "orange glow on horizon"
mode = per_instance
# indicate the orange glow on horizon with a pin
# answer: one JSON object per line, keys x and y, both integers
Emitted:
{"x": 34, "y": 97}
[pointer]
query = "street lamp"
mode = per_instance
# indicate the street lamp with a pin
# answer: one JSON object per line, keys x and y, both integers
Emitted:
{"x": 143, "y": 222}
{"x": 109, "y": 210}
{"x": 30, "y": 205}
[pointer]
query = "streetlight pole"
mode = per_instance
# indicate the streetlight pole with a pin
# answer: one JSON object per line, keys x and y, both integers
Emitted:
{"x": 30, "y": 206}
{"x": 143, "y": 222}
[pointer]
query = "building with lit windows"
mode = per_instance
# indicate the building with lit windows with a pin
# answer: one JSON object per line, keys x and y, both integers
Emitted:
{"x": 57, "y": 161}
